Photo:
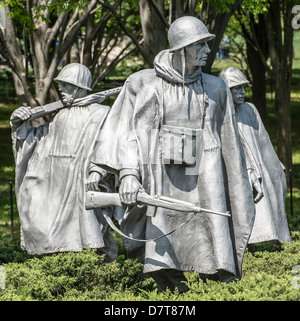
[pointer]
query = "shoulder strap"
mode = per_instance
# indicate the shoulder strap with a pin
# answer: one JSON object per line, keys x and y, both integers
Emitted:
{"x": 113, "y": 226}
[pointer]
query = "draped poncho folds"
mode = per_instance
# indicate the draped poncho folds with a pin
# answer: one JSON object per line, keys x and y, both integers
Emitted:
{"x": 52, "y": 164}
{"x": 181, "y": 143}
{"x": 270, "y": 218}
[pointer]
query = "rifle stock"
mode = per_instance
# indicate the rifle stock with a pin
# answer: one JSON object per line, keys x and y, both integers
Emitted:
{"x": 101, "y": 200}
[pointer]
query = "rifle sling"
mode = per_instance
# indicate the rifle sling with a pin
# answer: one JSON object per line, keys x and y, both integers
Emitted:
{"x": 113, "y": 226}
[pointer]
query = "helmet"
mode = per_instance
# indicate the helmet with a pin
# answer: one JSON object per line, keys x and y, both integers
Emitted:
{"x": 77, "y": 75}
{"x": 185, "y": 31}
{"x": 233, "y": 77}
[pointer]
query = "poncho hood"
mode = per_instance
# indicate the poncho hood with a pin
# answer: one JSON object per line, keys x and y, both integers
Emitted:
{"x": 164, "y": 68}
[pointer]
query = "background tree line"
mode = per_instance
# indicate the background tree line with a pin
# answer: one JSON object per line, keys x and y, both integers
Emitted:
{"x": 41, "y": 36}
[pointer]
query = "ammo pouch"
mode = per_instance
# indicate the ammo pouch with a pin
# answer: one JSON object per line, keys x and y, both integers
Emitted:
{"x": 179, "y": 144}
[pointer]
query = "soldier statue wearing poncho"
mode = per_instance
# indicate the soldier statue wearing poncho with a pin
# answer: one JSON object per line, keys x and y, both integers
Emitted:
{"x": 172, "y": 132}
{"x": 270, "y": 220}
{"x": 52, "y": 164}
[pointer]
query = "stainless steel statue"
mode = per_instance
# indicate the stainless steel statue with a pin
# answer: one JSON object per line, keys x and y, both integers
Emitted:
{"x": 52, "y": 164}
{"x": 172, "y": 132}
{"x": 270, "y": 220}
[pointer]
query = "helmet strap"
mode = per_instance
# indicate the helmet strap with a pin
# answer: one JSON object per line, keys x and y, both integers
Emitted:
{"x": 73, "y": 97}
{"x": 183, "y": 68}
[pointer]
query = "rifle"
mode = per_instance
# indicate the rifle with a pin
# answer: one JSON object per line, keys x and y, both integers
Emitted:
{"x": 101, "y": 200}
{"x": 42, "y": 111}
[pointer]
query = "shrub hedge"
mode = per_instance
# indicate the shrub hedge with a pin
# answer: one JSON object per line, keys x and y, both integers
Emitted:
{"x": 269, "y": 273}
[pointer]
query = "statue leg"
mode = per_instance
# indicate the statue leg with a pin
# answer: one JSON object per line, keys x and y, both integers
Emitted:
{"x": 169, "y": 278}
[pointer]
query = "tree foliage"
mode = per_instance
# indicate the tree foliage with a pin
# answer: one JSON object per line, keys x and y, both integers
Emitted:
{"x": 41, "y": 34}
{"x": 266, "y": 45}
{"x": 44, "y": 35}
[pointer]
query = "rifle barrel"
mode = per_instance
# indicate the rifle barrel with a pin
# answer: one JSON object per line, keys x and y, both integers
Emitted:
{"x": 101, "y": 200}
{"x": 42, "y": 111}
{"x": 173, "y": 204}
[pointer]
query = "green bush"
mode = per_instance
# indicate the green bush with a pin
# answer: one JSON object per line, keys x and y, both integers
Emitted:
{"x": 261, "y": 286}
{"x": 267, "y": 275}
{"x": 10, "y": 251}
{"x": 72, "y": 276}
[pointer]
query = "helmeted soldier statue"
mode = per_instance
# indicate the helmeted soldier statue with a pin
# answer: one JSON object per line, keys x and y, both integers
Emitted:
{"x": 172, "y": 132}
{"x": 52, "y": 164}
{"x": 270, "y": 220}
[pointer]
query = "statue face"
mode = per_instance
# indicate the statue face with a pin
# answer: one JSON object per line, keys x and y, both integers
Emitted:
{"x": 197, "y": 53}
{"x": 66, "y": 91}
{"x": 238, "y": 94}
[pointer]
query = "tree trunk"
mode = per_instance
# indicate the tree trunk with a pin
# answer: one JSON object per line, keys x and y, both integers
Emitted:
{"x": 216, "y": 24}
{"x": 154, "y": 31}
{"x": 48, "y": 42}
{"x": 176, "y": 10}
{"x": 15, "y": 59}
{"x": 19, "y": 90}
{"x": 74, "y": 53}
{"x": 258, "y": 79}
{"x": 217, "y": 27}
{"x": 66, "y": 40}
{"x": 280, "y": 43}
{"x": 257, "y": 46}
{"x": 190, "y": 8}
{"x": 40, "y": 60}
{"x": 283, "y": 120}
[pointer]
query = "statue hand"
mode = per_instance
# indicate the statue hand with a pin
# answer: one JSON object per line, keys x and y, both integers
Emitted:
{"x": 93, "y": 181}
{"x": 258, "y": 193}
{"x": 20, "y": 114}
{"x": 256, "y": 187}
{"x": 128, "y": 189}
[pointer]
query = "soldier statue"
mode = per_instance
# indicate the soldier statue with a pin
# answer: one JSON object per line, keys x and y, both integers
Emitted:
{"x": 52, "y": 165}
{"x": 270, "y": 220}
{"x": 172, "y": 132}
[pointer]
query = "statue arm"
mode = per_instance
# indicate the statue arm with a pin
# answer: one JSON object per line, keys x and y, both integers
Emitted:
{"x": 96, "y": 175}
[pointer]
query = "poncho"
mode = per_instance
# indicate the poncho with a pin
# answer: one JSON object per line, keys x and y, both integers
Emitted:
{"x": 270, "y": 220}
{"x": 52, "y": 164}
{"x": 185, "y": 145}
